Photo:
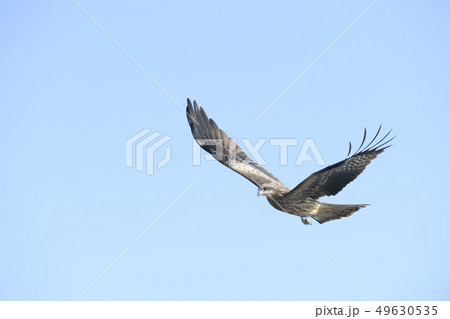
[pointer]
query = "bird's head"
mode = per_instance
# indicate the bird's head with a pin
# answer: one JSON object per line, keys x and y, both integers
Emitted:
{"x": 266, "y": 190}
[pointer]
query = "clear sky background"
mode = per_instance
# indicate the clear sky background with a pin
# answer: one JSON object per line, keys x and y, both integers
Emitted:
{"x": 70, "y": 98}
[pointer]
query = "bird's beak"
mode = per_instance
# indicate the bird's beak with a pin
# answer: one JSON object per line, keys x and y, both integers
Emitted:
{"x": 260, "y": 192}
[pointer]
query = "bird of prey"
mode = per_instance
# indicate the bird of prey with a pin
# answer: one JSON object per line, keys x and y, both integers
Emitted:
{"x": 303, "y": 199}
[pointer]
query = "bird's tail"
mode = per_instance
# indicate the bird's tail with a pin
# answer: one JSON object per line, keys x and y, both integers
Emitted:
{"x": 327, "y": 212}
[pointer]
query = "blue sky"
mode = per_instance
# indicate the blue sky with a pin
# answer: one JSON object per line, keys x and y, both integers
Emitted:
{"x": 70, "y": 98}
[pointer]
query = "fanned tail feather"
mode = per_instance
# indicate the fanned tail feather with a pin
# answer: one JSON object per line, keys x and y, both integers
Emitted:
{"x": 327, "y": 212}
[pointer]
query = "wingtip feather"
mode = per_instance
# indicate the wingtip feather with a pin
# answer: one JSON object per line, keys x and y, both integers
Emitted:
{"x": 378, "y": 146}
{"x": 349, "y": 149}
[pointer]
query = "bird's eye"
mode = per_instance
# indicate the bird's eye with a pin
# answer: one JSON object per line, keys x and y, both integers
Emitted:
{"x": 264, "y": 189}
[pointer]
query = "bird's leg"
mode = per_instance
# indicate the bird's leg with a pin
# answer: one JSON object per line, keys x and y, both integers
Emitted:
{"x": 306, "y": 221}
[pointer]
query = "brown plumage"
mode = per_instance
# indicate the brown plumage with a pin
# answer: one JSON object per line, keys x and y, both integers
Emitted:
{"x": 302, "y": 200}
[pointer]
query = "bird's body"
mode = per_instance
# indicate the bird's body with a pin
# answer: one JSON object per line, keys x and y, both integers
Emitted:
{"x": 301, "y": 200}
{"x": 305, "y": 206}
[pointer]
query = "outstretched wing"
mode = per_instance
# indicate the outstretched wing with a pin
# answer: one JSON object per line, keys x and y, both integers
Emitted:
{"x": 332, "y": 179}
{"x": 224, "y": 149}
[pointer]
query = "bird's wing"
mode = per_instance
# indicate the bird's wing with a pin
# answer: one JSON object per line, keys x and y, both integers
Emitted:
{"x": 224, "y": 149}
{"x": 332, "y": 179}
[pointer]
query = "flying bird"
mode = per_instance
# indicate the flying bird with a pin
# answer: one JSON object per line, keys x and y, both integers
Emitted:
{"x": 303, "y": 199}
